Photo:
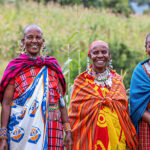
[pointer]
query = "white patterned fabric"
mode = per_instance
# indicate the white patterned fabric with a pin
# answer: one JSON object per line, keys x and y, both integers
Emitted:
{"x": 28, "y": 121}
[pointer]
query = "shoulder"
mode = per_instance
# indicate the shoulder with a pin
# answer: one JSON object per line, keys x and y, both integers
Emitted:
{"x": 116, "y": 75}
{"x": 82, "y": 75}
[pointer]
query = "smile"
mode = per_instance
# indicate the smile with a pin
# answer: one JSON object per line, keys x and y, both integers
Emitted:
{"x": 100, "y": 61}
{"x": 34, "y": 46}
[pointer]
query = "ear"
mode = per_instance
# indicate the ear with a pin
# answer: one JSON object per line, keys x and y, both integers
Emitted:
{"x": 89, "y": 55}
{"x": 146, "y": 50}
{"x": 22, "y": 40}
{"x": 109, "y": 55}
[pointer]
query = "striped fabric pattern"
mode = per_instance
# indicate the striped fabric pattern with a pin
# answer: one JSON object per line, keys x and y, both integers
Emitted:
{"x": 84, "y": 107}
{"x": 24, "y": 62}
{"x": 23, "y": 80}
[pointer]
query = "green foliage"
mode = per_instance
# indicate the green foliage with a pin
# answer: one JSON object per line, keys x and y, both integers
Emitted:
{"x": 124, "y": 60}
{"x": 2, "y": 2}
{"x": 68, "y": 31}
{"x": 118, "y": 6}
{"x": 142, "y": 2}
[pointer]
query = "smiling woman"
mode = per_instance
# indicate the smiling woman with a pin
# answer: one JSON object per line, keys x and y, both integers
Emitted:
{"x": 98, "y": 112}
{"x": 34, "y": 113}
{"x": 33, "y": 40}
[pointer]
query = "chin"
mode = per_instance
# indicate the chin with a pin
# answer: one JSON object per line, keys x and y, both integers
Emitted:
{"x": 100, "y": 68}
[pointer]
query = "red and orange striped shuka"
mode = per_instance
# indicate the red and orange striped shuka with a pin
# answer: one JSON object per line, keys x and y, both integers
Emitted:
{"x": 84, "y": 110}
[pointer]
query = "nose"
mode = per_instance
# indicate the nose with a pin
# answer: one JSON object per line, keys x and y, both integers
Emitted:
{"x": 100, "y": 54}
{"x": 34, "y": 40}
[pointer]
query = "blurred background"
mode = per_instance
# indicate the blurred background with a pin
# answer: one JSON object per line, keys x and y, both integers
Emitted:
{"x": 69, "y": 27}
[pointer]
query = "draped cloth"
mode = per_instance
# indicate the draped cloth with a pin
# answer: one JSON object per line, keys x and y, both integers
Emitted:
{"x": 84, "y": 110}
{"x": 23, "y": 62}
{"x": 139, "y": 94}
{"x": 28, "y": 124}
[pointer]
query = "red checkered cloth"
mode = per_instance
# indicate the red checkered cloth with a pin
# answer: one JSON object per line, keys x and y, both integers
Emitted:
{"x": 144, "y": 129}
{"x": 144, "y": 135}
{"x": 55, "y": 130}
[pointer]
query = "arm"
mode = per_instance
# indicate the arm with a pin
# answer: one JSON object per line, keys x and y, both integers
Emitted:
{"x": 64, "y": 117}
{"x": 146, "y": 116}
{"x": 6, "y": 107}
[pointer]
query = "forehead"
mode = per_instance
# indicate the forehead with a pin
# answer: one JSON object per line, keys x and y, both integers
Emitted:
{"x": 148, "y": 39}
{"x": 32, "y": 30}
{"x": 99, "y": 47}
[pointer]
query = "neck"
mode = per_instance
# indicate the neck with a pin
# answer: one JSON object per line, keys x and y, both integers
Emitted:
{"x": 99, "y": 70}
{"x": 33, "y": 56}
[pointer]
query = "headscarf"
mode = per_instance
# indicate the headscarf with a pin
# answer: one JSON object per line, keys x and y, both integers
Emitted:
{"x": 23, "y": 62}
{"x": 97, "y": 42}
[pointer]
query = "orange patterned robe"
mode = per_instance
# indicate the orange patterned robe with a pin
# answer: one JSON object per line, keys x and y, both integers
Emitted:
{"x": 99, "y": 118}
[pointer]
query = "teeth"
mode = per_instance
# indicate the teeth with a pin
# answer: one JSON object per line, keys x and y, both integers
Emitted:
{"x": 34, "y": 46}
{"x": 100, "y": 61}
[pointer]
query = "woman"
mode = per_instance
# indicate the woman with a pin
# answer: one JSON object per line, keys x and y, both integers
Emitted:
{"x": 98, "y": 111}
{"x": 140, "y": 101}
{"x": 31, "y": 90}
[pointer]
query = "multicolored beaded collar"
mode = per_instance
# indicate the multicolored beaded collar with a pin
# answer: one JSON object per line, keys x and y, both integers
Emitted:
{"x": 103, "y": 79}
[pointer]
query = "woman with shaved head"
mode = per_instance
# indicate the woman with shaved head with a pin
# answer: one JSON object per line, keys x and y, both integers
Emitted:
{"x": 34, "y": 113}
{"x": 98, "y": 112}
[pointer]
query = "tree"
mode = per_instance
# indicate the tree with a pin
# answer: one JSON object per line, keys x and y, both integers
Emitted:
{"x": 142, "y": 2}
{"x": 118, "y": 6}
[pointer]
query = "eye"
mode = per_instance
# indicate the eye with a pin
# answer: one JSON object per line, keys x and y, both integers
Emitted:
{"x": 29, "y": 37}
{"x": 38, "y": 37}
{"x": 104, "y": 52}
{"x": 95, "y": 52}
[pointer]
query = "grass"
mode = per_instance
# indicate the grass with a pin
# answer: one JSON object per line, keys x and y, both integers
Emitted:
{"x": 3, "y": 64}
{"x": 59, "y": 23}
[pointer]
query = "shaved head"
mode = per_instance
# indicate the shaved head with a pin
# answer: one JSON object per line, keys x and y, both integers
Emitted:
{"x": 32, "y": 26}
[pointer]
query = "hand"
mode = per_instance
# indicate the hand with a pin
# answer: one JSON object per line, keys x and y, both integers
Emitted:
{"x": 3, "y": 144}
{"x": 127, "y": 147}
{"x": 68, "y": 140}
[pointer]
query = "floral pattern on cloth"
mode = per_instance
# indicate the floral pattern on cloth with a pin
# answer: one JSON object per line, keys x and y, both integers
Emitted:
{"x": 28, "y": 124}
{"x": 55, "y": 131}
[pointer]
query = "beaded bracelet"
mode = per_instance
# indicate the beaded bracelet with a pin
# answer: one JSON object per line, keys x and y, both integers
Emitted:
{"x": 3, "y": 133}
{"x": 66, "y": 126}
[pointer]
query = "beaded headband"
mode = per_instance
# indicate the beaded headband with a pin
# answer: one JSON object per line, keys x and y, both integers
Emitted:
{"x": 97, "y": 42}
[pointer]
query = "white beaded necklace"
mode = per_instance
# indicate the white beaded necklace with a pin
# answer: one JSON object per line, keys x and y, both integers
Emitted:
{"x": 103, "y": 79}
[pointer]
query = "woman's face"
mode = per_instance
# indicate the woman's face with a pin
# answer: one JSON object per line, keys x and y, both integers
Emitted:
{"x": 100, "y": 56}
{"x": 33, "y": 41}
{"x": 148, "y": 46}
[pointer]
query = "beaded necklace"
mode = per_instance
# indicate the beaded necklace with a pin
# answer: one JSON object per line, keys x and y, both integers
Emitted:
{"x": 103, "y": 79}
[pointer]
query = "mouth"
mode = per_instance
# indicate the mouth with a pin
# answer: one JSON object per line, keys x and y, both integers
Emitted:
{"x": 100, "y": 61}
{"x": 34, "y": 46}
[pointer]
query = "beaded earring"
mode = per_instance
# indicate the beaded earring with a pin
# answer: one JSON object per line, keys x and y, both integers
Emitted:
{"x": 110, "y": 63}
{"x": 44, "y": 48}
{"x": 88, "y": 63}
{"x": 21, "y": 47}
